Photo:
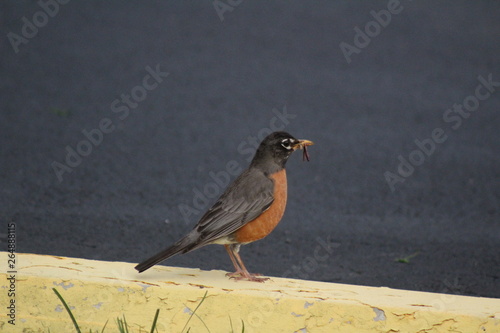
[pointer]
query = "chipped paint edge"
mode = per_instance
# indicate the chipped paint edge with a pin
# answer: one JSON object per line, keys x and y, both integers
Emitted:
{"x": 100, "y": 291}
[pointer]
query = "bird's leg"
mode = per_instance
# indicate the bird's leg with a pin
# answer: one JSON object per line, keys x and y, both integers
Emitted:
{"x": 237, "y": 267}
{"x": 241, "y": 271}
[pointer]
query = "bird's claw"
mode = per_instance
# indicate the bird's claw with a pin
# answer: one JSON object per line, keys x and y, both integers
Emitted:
{"x": 246, "y": 276}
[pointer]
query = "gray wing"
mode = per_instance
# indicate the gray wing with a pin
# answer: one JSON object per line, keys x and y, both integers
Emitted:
{"x": 244, "y": 200}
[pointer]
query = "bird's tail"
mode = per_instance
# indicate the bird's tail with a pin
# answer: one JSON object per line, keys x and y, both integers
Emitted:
{"x": 184, "y": 245}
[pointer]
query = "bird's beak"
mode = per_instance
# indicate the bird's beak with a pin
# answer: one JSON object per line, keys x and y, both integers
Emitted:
{"x": 302, "y": 143}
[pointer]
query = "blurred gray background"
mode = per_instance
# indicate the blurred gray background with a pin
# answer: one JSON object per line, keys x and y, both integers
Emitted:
{"x": 86, "y": 65}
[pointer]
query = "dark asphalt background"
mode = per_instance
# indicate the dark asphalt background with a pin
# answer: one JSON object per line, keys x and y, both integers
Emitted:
{"x": 225, "y": 79}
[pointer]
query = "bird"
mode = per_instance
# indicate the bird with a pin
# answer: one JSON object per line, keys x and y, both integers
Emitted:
{"x": 248, "y": 210}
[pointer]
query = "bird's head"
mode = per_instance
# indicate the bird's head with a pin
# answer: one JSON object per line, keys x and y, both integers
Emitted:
{"x": 277, "y": 147}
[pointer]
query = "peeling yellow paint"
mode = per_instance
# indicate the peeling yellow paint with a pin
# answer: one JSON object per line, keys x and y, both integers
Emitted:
{"x": 100, "y": 291}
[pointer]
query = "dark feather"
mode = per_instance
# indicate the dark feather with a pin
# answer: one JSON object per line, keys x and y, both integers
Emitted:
{"x": 248, "y": 196}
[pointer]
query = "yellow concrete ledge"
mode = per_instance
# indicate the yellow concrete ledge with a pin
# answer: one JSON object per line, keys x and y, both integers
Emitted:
{"x": 99, "y": 291}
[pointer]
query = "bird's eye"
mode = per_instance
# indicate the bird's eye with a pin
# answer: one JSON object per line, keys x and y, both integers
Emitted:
{"x": 287, "y": 143}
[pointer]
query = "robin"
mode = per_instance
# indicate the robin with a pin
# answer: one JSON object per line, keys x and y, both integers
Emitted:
{"x": 247, "y": 211}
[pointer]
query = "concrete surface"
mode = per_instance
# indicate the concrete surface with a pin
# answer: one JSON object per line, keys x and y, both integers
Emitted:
{"x": 128, "y": 197}
{"x": 100, "y": 291}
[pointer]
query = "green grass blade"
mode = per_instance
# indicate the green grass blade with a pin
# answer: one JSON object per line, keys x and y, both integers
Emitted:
{"x": 68, "y": 310}
{"x": 406, "y": 260}
{"x": 126, "y": 325}
{"x": 106, "y": 323}
{"x": 122, "y": 325}
{"x": 155, "y": 320}
{"x": 192, "y": 314}
{"x": 202, "y": 322}
{"x": 119, "y": 323}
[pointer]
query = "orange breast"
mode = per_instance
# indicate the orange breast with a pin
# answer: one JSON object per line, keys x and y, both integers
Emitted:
{"x": 267, "y": 221}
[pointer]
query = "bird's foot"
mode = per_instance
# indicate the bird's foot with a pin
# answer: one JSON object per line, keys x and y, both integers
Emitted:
{"x": 242, "y": 275}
